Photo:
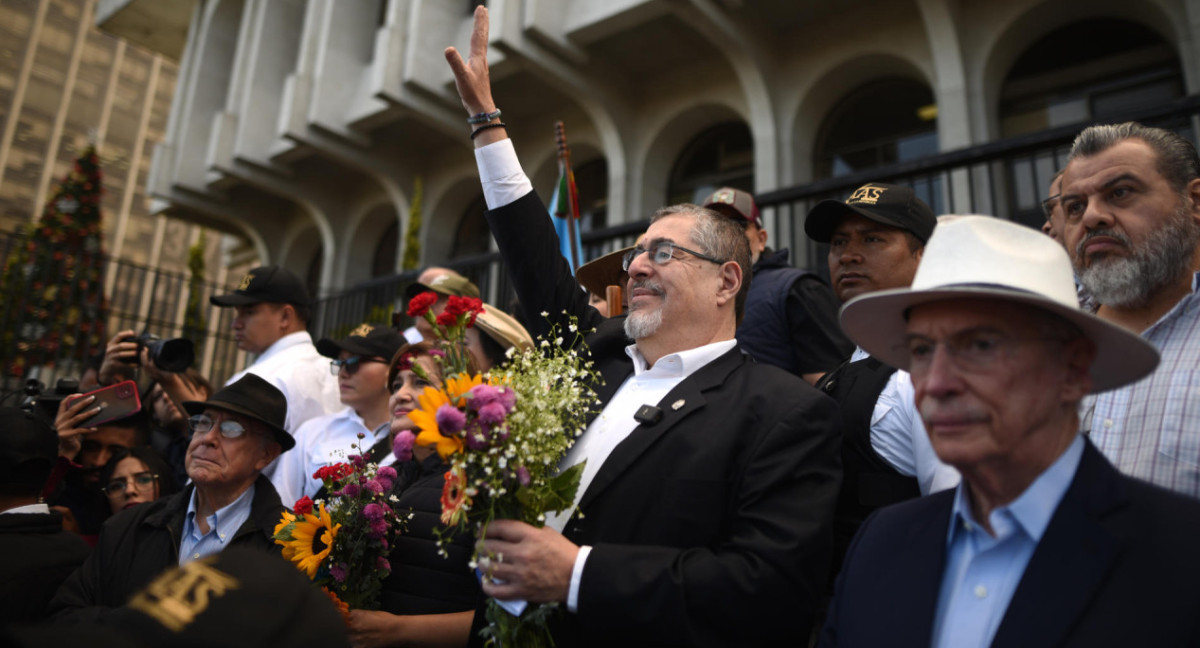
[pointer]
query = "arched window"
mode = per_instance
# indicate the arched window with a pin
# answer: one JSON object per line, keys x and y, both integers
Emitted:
{"x": 722, "y": 156}
{"x": 473, "y": 235}
{"x": 1086, "y": 71}
{"x": 1091, "y": 70}
{"x": 591, "y": 178}
{"x": 882, "y": 122}
{"x": 384, "y": 262}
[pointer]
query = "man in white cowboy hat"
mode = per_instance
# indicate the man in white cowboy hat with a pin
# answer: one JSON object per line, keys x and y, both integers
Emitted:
{"x": 1043, "y": 543}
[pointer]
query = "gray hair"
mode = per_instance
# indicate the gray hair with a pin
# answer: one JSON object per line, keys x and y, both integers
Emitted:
{"x": 1177, "y": 158}
{"x": 719, "y": 237}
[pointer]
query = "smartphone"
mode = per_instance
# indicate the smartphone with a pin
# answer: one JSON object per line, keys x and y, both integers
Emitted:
{"x": 115, "y": 401}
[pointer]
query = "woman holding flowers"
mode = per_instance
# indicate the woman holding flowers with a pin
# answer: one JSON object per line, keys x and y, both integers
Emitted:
{"x": 429, "y": 598}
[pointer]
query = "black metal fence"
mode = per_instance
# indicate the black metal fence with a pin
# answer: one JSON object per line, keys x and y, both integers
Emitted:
{"x": 140, "y": 298}
{"x": 1006, "y": 178}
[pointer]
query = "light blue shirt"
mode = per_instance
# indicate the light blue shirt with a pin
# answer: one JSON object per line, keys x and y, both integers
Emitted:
{"x": 222, "y": 526}
{"x": 982, "y": 571}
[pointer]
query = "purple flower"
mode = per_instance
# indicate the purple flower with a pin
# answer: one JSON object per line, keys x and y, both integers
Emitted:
{"x": 482, "y": 395}
{"x": 377, "y": 529}
{"x": 523, "y": 475}
{"x": 382, "y": 564}
{"x": 492, "y": 414}
{"x": 402, "y": 447}
{"x": 338, "y": 571}
{"x": 437, "y": 353}
{"x": 373, "y": 512}
{"x": 386, "y": 476}
{"x": 351, "y": 490}
{"x": 374, "y": 486}
{"x": 508, "y": 398}
{"x": 477, "y": 437}
{"x": 450, "y": 420}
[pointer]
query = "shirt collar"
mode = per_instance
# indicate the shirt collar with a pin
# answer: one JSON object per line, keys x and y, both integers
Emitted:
{"x": 286, "y": 342}
{"x": 214, "y": 520}
{"x": 681, "y": 364}
{"x": 1034, "y": 508}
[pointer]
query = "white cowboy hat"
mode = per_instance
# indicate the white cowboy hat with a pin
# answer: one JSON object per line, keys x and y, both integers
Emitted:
{"x": 980, "y": 257}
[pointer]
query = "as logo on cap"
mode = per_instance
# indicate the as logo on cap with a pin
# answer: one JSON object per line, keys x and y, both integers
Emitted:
{"x": 724, "y": 196}
{"x": 866, "y": 194}
{"x": 176, "y": 598}
{"x": 363, "y": 330}
{"x": 245, "y": 285}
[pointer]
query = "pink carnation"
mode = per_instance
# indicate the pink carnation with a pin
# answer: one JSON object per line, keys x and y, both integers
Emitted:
{"x": 450, "y": 420}
{"x": 483, "y": 395}
{"x": 374, "y": 486}
{"x": 492, "y": 414}
{"x": 402, "y": 447}
{"x": 373, "y": 511}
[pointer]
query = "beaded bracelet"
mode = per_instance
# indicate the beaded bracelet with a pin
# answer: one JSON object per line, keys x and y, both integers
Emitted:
{"x": 483, "y": 117}
{"x": 485, "y": 127}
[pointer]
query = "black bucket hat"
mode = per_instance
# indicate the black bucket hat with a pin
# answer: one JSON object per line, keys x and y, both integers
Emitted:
{"x": 252, "y": 397}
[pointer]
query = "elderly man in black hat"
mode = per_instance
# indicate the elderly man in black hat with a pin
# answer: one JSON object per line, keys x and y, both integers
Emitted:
{"x": 791, "y": 315}
{"x": 236, "y": 433}
{"x": 271, "y": 313}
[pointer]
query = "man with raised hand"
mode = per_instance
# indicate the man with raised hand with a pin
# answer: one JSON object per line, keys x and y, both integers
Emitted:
{"x": 703, "y": 516}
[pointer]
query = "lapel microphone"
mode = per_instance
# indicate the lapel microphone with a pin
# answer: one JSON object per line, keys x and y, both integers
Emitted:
{"x": 648, "y": 415}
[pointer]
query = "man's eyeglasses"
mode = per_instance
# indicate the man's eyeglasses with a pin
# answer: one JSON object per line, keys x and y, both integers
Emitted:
{"x": 229, "y": 428}
{"x": 142, "y": 482}
{"x": 1049, "y": 204}
{"x": 351, "y": 364}
{"x": 662, "y": 253}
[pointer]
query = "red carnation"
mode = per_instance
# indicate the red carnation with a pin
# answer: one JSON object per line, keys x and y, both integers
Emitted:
{"x": 304, "y": 505}
{"x": 418, "y": 306}
{"x": 463, "y": 305}
{"x": 447, "y": 319}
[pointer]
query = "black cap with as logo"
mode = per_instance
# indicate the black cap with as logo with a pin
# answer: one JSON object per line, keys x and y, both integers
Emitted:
{"x": 893, "y": 205}
{"x": 266, "y": 284}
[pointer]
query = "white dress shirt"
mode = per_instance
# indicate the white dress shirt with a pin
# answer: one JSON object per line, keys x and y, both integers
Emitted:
{"x": 899, "y": 436}
{"x": 320, "y": 442}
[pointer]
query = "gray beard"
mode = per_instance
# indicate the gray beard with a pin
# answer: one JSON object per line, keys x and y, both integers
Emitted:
{"x": 1130, "y": 282}
{"x": 640, "y": 324}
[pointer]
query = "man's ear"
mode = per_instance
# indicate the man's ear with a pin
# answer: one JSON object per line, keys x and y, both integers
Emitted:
{"x": 762, "y": 237}
{"x": 731, "y": 282}
{"x": 270, "y": 451}
{"x": 1193, "y": 193}
{"x": 1079, "y": 355}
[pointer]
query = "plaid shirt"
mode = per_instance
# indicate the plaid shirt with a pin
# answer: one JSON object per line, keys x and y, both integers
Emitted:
{"x": 1151, "y": 429}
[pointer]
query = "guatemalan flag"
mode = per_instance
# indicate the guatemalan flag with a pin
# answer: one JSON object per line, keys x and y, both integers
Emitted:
{"x": 564, "y": 205}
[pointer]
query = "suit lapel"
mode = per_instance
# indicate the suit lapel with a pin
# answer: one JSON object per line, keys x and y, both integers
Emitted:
{"x": 687, "y": 397}
{"x": 1071, "y": 561}
{"x": 919, "y": 574}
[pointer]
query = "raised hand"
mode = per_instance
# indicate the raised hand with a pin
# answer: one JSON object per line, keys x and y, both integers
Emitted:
{"x": 471, "y": 76}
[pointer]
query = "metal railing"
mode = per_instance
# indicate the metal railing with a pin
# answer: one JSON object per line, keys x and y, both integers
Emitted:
{"x": 1006, "y": 178}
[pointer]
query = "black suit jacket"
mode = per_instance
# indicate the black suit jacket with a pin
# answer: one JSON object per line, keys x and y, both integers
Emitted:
{"x": 712, "y": 526}
{"x": 1117, "y": 566}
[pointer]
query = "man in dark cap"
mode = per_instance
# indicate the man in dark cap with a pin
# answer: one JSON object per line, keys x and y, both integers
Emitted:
{"x": 40, "y": 555}
{"x": 272, "y": 309}
{"x": 236, "y": 433}
{"x": 876, "y": 238}
{"x": 791, "y": 315}
{"x": 360, "y": 362}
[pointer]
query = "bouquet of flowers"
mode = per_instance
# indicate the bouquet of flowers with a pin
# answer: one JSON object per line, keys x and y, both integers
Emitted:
{"x": 342, "y": 542}
{"x": 503, "y": 436}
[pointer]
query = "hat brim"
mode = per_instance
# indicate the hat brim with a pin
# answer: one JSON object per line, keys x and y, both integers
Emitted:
{"x": 877, "y": 322}
{"x": 286, "y": 441}
{"x": 233, "y": 299}
{"x": 333, "y": 348}
{"x": 600, "y": 273}
{"x": 822, "y": 219}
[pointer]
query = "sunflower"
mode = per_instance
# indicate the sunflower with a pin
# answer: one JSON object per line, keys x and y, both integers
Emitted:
{"x": 312, "y": 539}
{"x": 425, "y": 416}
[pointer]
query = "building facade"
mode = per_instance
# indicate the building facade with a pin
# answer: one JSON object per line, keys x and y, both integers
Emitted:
{"x": 301, "y": 126}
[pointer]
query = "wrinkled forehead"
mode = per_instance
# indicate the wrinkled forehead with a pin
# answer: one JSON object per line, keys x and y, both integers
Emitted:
{"x": 1129, "y": 159}
{"x": 673, "y": 228}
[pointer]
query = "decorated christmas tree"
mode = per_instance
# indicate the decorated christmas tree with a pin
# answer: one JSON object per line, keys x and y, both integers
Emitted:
{"x": 52, "y": 304}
